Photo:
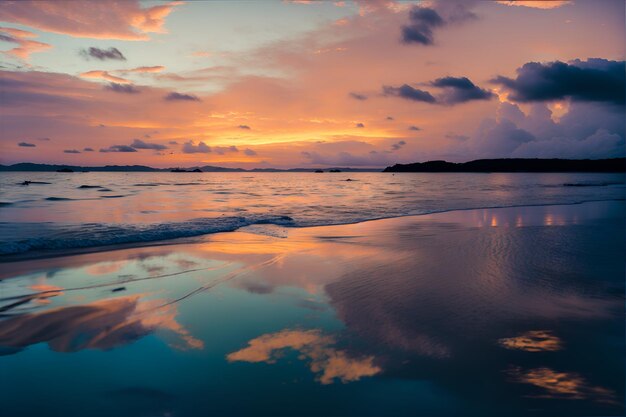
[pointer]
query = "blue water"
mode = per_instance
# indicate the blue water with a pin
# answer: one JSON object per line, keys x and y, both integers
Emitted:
{"x": 79, "y": 210}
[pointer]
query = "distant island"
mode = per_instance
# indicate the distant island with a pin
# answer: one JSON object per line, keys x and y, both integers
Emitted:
{"x": 28, "y": 166}
{"x": 516, "y": 165}
{"x": 479, "y": 165}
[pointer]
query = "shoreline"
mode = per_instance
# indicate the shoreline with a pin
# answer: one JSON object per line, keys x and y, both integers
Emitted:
{"x": 58, "y": 253}
{"x": 62, "y": 253}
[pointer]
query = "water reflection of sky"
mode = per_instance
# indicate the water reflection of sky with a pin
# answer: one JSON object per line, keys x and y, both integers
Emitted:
{"x": 423, "y": 316}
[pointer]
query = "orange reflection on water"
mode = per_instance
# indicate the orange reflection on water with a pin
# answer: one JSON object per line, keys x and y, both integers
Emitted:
{"x": 561, "y": 385}
{"x": 325, "y": 361}
{"x": 533, "y": 341}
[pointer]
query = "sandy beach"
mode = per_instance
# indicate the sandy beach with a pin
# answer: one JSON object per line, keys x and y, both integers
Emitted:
{"x": 493, "y": 311}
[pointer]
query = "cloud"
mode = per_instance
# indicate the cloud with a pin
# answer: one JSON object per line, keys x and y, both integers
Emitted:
{"x": 140, "y": 144}
{"x": 124, "y": 20}
{"x": 246, "y": 127}
{"x": 44, "y": 139}
{"x": 407, "y": 92}
{"x": 357, "y": 96}
{"x": 460, "y": 90}
{"x": 118, "y": 148}
{"x": 201, "y": 147}
{"x": 104, "y": 75}
{"x": 537, "y": 4}
{"x": 221, "y": 150}
{"x": 592, "y": 80}
{"x": 389, "y": 118}
{"x": 422, "y": 21}
{"x": 415, "y": 128}
{"x": 26, "y": 145}
{"x": 325, "y": 361}
{"x": 173, "y": 96}
{"x": 398, "y": 145}
{"x": 88, "y": 150}
{"x": 455, "y": 90}
{"x": 359, "y": 125}
{"x": 587, "y": 130}
{"x": 25, "y": 46}
{"x": 173, "y": 142}
{"x": 102, "y": 54}
{"x": 71, "y": 151}
{"x": 143, "y": 70}
{"x": 249, "y": 152}
{"x": 122, "y": 88}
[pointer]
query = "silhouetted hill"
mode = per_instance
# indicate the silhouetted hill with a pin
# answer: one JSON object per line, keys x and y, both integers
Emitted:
{"x": 516, "y": 165}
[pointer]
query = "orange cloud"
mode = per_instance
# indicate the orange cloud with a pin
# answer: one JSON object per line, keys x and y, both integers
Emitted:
{"x": 123, "y": 20}
{"x": 104, "y": 75}
{"x": 537, "y": 4}
{"x": 26, "y": 46}
{"x": 327, "y": 362}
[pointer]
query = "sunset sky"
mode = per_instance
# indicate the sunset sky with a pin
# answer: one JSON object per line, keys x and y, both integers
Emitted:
{"x": 309, "y": 84}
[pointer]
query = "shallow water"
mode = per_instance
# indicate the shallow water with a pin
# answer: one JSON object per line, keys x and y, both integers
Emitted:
{"x": 77, "y": 210}
{"x": 515, "y": 311}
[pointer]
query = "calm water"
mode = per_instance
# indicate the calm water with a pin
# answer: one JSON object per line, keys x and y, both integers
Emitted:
{"x": 495, "y": 312}
{"x": 91, "y": 209}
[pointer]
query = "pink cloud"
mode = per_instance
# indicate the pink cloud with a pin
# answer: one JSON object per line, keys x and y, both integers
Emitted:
{"x": 124, "y": 20}
{"x": 26, "y": 46}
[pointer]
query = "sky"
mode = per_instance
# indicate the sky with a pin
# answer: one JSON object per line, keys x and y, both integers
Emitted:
{"x": 288, "y": 84}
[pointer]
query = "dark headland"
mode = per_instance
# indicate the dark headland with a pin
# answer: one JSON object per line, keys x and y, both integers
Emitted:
{"x": 516, "y": 165}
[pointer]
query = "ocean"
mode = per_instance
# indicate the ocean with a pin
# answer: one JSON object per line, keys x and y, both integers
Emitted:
{"x": 64, "y": 211}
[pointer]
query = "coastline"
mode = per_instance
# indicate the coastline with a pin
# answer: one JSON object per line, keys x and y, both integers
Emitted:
{"x": 198, "y": 238}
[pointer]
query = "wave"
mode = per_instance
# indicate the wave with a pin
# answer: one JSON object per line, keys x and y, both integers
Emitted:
{"x": 76, "y": 236}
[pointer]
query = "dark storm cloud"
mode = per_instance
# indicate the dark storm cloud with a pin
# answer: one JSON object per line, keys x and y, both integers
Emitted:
{"x": 249, "y": 152}
{"x": 460, "y": 90}
{"x": 88, "y": 150}
{"x": 26, "y": 145}
{"x": 118, "y": 148}
{"x": 422, "y": 21}
{"x": 103, "y": 54}
{"x": 357, "y": 96}
{"x": 140, "y": 144}
{"x": 71, "y": 151}
{"x": 122, "y": 88}
{"x": 596, "y": 79}
{"x": 201, "y": 147}
{"x": 245, "y": 127}
{"x": 174, "y": 96}
{"x": 407, "y": 92}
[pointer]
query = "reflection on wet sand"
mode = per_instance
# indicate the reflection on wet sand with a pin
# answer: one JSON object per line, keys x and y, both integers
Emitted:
{"x": 561, "y": 385}
{"x": 102, "y": 324}
{"x": 313, "y": 346}
{"x": 441, "y": 298}
{"x": 533, "y": 341}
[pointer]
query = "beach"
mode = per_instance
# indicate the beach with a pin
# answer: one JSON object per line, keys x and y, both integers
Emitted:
{"x": 478, "y": 312}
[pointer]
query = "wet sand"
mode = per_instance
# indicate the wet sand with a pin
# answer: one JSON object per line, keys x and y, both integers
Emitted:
{"x": 511, "y": 311}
